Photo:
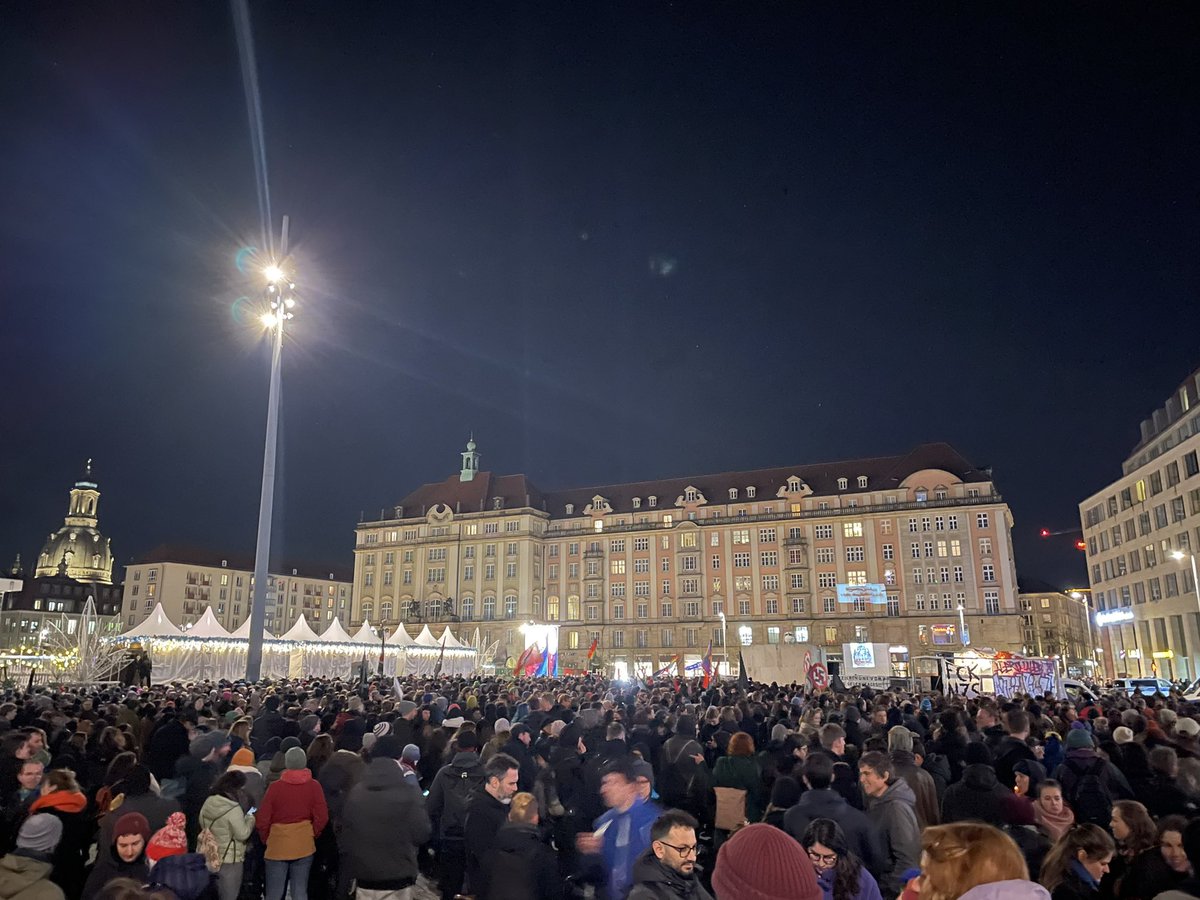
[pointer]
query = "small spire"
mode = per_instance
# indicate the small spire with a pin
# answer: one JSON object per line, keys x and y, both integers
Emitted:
{"x": 88, "y": 468}
{"x": 470, "y": 460}
{"x": 16, "y": 566}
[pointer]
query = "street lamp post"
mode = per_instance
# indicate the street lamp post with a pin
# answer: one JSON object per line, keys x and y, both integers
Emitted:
{"x": 963, "y": 636}
{"x": 281, "y": 303}
{"x": 724, "y": 641}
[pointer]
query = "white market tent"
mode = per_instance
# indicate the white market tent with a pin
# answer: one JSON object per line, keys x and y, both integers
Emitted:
{"x": 209, "y": 651}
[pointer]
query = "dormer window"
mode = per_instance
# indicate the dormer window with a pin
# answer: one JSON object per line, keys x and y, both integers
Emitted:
{"x": 570, "y": 509}
{"x": 862, "y": 481}
{"x": 751, "y": 491}
{"x": 637, "y": 502}
{"x": 497, "y": 503}
{"x": 793, "y": 485}
{"x": 653, "y": 500}
{"x": 733, "y": 493}
{"x": 842, "y": 484}
{"x": 691, "y": 495}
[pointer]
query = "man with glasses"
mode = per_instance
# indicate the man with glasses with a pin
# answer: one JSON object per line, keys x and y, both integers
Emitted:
{"x": 667, "y": 870}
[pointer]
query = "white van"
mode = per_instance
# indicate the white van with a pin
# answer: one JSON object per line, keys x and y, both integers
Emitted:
{"x": 1147, "y": 686}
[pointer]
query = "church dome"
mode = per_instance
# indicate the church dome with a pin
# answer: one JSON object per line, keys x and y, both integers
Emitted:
{"x": 78, "y": 549}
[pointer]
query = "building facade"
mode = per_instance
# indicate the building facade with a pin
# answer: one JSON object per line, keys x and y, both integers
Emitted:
{"x": 186, "y": 581}
{"x": 1058, "y": 623}
{"x": 654, "y": 571}
{"x": 44, "y": 611}
{"x": 79, "y": 545}
{"x": 1141, "y": 532}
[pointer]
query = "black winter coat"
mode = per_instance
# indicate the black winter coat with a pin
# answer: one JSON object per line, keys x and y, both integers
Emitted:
{"x": 383, "y": 823}
{"x": 654, "y": 881}
{"x": 861, "y": 835}
{"x": 978, "y": 796}
{"x": 521, "y": 866}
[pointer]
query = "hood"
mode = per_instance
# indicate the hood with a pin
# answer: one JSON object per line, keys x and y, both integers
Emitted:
{"x": 816, "y": 801}
{"x": 898, "y": 791}
{"x": 382, "y": 775}
{"x": 979, "y": 777}
{"x": 18, "y": 872}
{"x": 1007, "y": 890}
{"x": 216, "y": 805}
{"x": 63, "y": 801}
{"x": 296, "y": 776}
{"x": 466, "y": 759}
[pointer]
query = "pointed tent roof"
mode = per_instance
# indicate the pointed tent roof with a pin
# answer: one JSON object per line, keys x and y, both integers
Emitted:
{"x": 336, "y": 634}
{"x": 452, "y": 643}
{"x": 208, "y": 627}
{"x": 426, "y": 639}
{"x": 154, "y": 625}
{"x": 243, "y": 632}
{"x": 366, "y": 634}
{"x": 301, "y": 631}
{"x": 400, "y": 638}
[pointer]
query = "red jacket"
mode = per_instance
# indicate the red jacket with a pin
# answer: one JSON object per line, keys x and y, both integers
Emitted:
{"x": 289, "y": 804}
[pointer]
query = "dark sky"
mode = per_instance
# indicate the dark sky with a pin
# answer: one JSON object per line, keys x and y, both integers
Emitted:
{"x": 617, "y": 241}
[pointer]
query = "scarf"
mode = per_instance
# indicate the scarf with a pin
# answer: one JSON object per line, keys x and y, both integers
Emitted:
{"x": 64, "y": 801}
{"x": 1084, "y": 875}
{"x": 1055, "y": 826}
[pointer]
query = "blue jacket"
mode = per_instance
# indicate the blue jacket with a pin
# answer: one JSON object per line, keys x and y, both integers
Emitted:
{"x": 626, "y": 838}
{"x": 868, "y": 888}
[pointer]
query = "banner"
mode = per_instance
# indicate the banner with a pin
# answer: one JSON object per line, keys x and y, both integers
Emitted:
{"x": 873, "y": 594}
{"x": 1024, "y": 676}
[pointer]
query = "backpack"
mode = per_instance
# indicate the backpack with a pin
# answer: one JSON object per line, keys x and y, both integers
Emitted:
{"x": 1090, "y": 798}
{"x": 679, "y": 778}
{"x": 459, "y": 788}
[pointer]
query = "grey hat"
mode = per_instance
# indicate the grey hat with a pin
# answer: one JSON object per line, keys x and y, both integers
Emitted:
{"x": 406, "y": 707}
{"x": 900, "y": 738}
{"x": 368, "y": 740}
{"x": 207, "y": 743}
{"x": 1122, "y": 735}
{"x": 643, "y": 769}
{"x": 382, "y": 729}
{"x": 503, "y": 725}
{"x": 309, "y": 722}
{"x": 779, "y": 733}
{"x": 295, "y": 759}
{"x": 411, "y": 753}
{"x": 40, "y": 833}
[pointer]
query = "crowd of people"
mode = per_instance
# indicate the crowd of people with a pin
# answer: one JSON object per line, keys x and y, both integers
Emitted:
{"x": 549, "y": 789}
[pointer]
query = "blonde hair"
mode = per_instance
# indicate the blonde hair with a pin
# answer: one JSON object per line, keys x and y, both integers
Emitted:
{"x": 524, "y": 808}
{"x": 964, "y": 855}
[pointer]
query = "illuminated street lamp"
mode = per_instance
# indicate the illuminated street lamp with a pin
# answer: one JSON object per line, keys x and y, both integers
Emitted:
{"x": 279, "y": 296}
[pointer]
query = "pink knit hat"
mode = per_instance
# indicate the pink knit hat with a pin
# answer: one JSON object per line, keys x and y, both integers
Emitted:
{"x": 761, "y": 862}
{"x": 169, "y": 840}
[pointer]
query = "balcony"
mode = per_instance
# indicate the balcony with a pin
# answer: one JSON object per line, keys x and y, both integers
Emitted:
{"x": 795, "y": 542}
{"x": 593, "y": 554}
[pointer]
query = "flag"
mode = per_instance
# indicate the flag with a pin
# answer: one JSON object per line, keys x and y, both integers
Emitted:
{"x": 552, "y": 667}
{"x": 396, "y": 689}
{"x": 706, "y": 664}
{"x": 534, "y": 662}
{"x": 519, "y": 668}
{"x": 437, "y": 669}
{"x": 592, "y": 649}
{"x": 743, "y": 675}
{"x": 668, "y": 668}
{"x": 544, "y": 663}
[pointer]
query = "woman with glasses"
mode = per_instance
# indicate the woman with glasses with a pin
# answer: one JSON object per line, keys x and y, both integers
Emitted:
{"x": 839, "y": 873}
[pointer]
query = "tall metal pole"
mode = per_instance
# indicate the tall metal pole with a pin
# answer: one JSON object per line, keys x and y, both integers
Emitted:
{"x": 260, "y": 591}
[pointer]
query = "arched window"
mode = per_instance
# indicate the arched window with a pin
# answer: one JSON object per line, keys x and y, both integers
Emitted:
{"x": 862, "y": 481}
{"x": 433, "y": 610}
{"x": 368, "y": 609}
{"x": 410, "y": 608}
{"x": 510, "y": 607}
{"x": 489, "y": 607}
{"x": 468, "y": 608}
{"x": 537, "y": 607}
{"x": 552, "y": 609}
{"x": 573, "y": 607}
{"x": 385, "y": 610}
{"x": 842, "y": 484}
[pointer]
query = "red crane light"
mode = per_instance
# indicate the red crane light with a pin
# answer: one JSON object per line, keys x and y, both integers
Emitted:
{"x": 1045, "y": 532}
{"x": 1080, "y": 545}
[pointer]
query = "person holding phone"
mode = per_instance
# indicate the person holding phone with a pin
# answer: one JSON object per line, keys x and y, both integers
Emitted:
{"x": 227, "y": 813}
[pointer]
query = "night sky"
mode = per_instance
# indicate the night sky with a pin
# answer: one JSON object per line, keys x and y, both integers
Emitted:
{"x": 616, "y": 241}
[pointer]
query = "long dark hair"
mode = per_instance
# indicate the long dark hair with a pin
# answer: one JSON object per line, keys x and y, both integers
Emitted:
{"x": 845, "y": 873}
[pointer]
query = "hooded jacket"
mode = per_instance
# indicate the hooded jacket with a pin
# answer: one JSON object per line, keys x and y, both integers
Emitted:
{"x": 1007, "y": 890}
{"x": 928, "y": 809}
{"x": 383, "y": 824}
{"x": 26, "y": 878}
{"x": 654, "y": 881}
{"x": 449, "y": 794}
{"x": 868, "y": 888}
{"x": 521, "y": 867}
{"x": 978, "y": 796}
{"x": 109, "y": 866}
{"x": 861, "y": 836}
{"x": 230, "y": 824}
{"x": 485, "y": 817}
{"x": 292, "y": 815}
{"x": 896, "y": 820}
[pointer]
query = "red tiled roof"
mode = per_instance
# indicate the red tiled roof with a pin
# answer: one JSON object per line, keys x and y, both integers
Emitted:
{"x": 883, "y": 473}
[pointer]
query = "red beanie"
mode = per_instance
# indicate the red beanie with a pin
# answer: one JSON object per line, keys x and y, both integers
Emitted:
{"x": 171, "y": 839}
{"x": 761, "y": 862}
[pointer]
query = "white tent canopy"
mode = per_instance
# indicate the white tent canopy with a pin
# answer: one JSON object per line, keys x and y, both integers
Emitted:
{"x": 400, "y": 638}
{"x": 450, "y": 641}
{"x": 426, "y": 638}
{"x": 336, "y": 634}
{"x": 243, "y": 632}
{"x": 301, "y": 631}
{"x": 366, "y": 634}
{"x": 154, "y": 625}
{"x": 208, "y": 627}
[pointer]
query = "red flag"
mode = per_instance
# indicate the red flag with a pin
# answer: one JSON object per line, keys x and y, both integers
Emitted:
{"x": 521, "y": 661}
{"x": 592, "y": 649}
{"x": 706, "y": 663}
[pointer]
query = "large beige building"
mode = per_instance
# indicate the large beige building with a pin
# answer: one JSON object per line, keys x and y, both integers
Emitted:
{"x": 1141, "y": 532}
{"x": 1058, "y": 623}
{"x": 655, "y": 570}
{"x": 188, "y": 580}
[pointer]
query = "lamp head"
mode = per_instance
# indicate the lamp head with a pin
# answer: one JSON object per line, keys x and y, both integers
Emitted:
{"x": 273, "y": 273}
{"x": 1177, "y": 554}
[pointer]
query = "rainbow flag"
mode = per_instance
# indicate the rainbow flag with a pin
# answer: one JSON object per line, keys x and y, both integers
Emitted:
{"x": 706, "y": 664}
{"x": 669, "y": 668}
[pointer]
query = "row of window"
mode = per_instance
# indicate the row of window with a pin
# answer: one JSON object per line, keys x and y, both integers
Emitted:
{"x": 1138, "y": 492}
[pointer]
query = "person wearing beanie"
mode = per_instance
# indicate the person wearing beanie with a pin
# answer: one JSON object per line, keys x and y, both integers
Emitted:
{"x": 1083, "y": 759}
{"x": 900, "y": 751}
{"x": 125, "y": 857}
{"x": 310, "y": 727}
{"x": 243, "y": 761}
{"x": 450, "y": 793}
{"x": 198, "y": 771}
{"x": 762, "y": 863}
{"x": 1122, "y": 735}
{"x": 269, "y": 724}
{"x": 25, "y": 873}
{"x": 979, "y": 795}
{"x": 384, "y": 822}
{"x": 62, "y": 797}
{"x": 292, "y": 816}
{"x": 136, "y": 793}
